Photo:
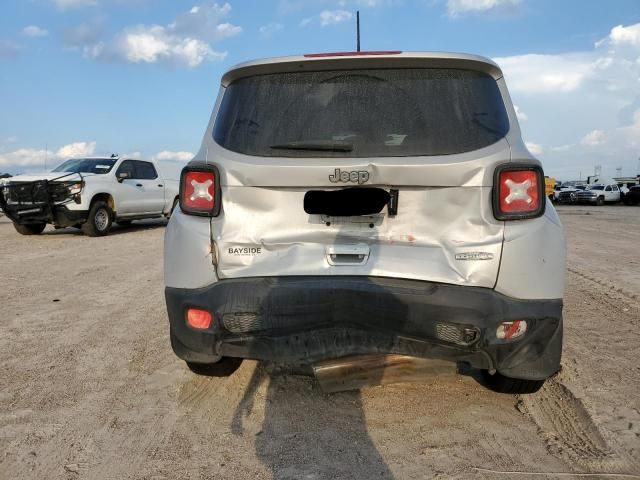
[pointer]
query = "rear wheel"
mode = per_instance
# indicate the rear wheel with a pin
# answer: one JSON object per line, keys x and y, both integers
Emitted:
{"x": 222, "y": 368}
{"x": 501, "y": 384}
{"x": 30, "y": 228}
{"x": 99, "y": 221}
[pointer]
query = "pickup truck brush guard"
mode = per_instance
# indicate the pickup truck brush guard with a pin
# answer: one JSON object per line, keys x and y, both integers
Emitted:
{"x": 41, "y": 201}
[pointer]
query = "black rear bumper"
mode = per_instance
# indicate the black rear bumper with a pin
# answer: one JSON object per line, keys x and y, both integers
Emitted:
{"x": 307, "y": 319}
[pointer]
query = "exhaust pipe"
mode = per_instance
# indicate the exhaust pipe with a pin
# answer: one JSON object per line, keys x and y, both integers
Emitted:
{"x": 353, "y": 373}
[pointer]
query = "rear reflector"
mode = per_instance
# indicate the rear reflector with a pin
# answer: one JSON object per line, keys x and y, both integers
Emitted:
{"x": 518, "y": 192}
{"x": 199, "y": 319}
{"x": 200, "y": 190}
{"x": 352, "y": 54}
{"x": 511, "y": 330}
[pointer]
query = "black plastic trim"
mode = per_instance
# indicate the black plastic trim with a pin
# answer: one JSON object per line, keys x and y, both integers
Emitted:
{"x": 311, "y": 318}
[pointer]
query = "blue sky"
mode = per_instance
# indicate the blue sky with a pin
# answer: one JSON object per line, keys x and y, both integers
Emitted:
{"x": 141, "y": 76}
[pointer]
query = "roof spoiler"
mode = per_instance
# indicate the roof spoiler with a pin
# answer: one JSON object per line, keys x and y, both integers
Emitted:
{"x": 314, "y": 62}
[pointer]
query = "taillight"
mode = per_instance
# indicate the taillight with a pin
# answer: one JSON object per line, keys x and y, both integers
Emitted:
{"x": 511, "y": 330}
{"x": 518, "y": 192}
{"x": 199, "y": 319}
{"x": 200, "y": 190}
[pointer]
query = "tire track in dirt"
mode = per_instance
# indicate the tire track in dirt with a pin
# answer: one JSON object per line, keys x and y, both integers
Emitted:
{"x": 564, "y": 422}
{"x": 603, "y": 282}
{"x": 568, "y": 429}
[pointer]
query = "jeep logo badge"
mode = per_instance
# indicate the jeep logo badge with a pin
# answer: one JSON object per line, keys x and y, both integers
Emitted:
{"x": 354, "y": 176}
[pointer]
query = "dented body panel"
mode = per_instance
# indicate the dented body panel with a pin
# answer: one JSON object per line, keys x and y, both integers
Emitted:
{"x": 294, "y": 243}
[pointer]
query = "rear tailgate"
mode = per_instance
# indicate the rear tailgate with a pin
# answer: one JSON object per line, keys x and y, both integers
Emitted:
{"x": 444, "y": 229}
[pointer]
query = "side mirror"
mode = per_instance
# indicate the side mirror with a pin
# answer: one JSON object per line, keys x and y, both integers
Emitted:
{"x": 121, "y": 176}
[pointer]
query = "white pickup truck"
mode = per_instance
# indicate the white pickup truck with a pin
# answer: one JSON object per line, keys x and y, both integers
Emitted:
{"x": 88, "y": 193}
{"x": 599, "y": 194}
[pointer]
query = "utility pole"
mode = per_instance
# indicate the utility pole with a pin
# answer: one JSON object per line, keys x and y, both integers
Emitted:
{"x": 358, "y": 29}
{"x": 46, "y": 151}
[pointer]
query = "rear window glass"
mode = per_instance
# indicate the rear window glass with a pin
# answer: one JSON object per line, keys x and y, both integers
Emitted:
{"x": 361, "y": 113}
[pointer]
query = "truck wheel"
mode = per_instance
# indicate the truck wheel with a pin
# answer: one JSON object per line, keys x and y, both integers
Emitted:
{"x": 600, "y": 201}
{"x": 30, "y": 228}
{"x": 99, "y": 221}
{"x": 501, "y": 384}
{"x": 222, "y": 368}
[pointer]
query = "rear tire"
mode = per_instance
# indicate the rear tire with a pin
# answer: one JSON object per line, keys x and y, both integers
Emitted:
{"x": 222, "y": 368}
{"x": 30, "y": 228}
{"x": 100, "y": 220}
{"x": 501, "y": 384}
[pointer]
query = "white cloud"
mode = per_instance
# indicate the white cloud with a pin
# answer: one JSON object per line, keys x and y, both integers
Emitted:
{"x": 520, "y": 114}
{"x": 621, "y": 35}
{"x": 24, "y": 157}
{"x": 593, "y": 138}
{"x": 66, "y": 4}
{"x": 534, "y": 148}
{"x": 562, "y": 148}
{"x": 328, "y": 17}
{"x": 34, "y": 157}
{"x": 460, "y": 7}
{"x": 534, "y": 73}
{"x": 184, "y": 42}
{"x": 270, "y": 29}
{"x": 331, "y": 17}
{"x": 34, "y": 31}
{"x": 204, "y": 23}
{"x": 78, "y": 149}
{"x": 177, "y": 156}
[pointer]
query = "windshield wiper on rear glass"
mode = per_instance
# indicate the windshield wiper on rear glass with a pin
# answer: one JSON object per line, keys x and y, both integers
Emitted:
{"x": 319, "y": 145}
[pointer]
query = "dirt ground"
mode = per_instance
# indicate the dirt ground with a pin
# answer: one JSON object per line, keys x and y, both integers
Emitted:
{"x": 90, "y": 389}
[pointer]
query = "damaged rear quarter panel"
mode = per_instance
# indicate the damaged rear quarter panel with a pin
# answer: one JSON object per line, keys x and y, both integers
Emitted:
{"x": 533, "y": 258}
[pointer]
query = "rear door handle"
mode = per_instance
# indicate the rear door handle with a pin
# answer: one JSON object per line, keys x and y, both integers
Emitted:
{"x": 138, "y": 184}
{"x": 347, "y": 254}
{"x": 160, "y": 185}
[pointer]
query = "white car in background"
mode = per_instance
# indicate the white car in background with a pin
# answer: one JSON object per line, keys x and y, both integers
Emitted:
{"x": 599, "y": 194}
{"x": 88, "y": 193}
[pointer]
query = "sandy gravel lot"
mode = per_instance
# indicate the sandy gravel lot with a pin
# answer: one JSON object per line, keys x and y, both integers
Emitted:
{"x": 90, "y": 389}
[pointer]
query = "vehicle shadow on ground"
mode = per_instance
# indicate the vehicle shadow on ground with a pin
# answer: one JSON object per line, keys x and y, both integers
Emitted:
{"x": 307, "y": 433}
{"x": 142, "y": 225}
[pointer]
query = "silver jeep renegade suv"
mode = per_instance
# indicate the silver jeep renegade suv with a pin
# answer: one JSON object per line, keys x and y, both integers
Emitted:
{"x": 371, "y": 202}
